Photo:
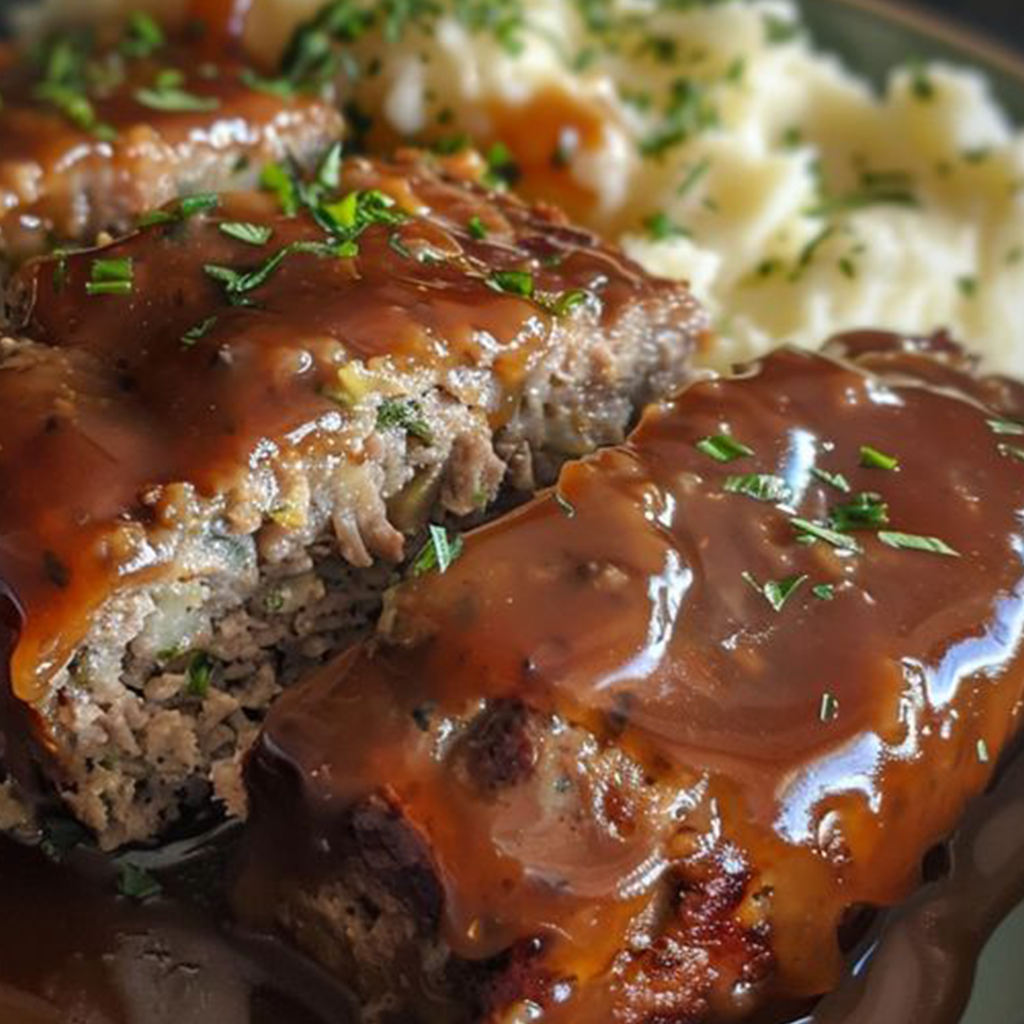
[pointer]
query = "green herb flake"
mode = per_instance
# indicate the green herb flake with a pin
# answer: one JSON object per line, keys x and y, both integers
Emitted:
{"x": 968, "y": 286}
{"x": 244, "y": 231}
{"x": 723, "y": 448}
{"x": 983, "y": 755}
{"x": 143, "y": 36}
{"x": 916, "y": 542}
{"x": 276, "y": 179}
{"x": 836, "y": 480}
{"x": 872, "y": 458}
{"x": 477, "y": 228}
{"x": 660, "y": 227}
{"x": 693, "y": 176}
{"x": 824, "y": 591}
{"x": 815, "y": 531}
{"x": 198, "y": 675}
{"x": 197, "y": 333}
{"x": 567, "y": 508}
{"x": 111, "y": 277}
{"x": 167, "y": 96}
{"x": 1006, "y": 428}
{"x": 404, "y": 414}
{"x": 866, "y": 512}
{"x": 328, "y": 174}
{"x": 921, "y": 85}
{"x": 759, "y": 486}
{"x": 513, "y": 282}
{"x": 137, "y": 883}
{"x": 439, "y": 552}
{"x": 829, "y": 709}
{"x": 776, "y": 592}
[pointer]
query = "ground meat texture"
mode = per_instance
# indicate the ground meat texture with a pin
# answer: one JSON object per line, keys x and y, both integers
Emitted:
{"x": 223, "y": 433}
{"x": 641, "y": 752}
{"x": 103, "y": 124}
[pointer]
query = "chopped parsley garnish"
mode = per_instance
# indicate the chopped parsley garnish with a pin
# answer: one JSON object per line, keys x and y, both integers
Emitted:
{"x": 660, "y": 227}
{"x": 477, "y": 228}
{"x": 188, "y": 206}
{"x": 815, "y": 531}
{"x": 328, "y": 174}
{"x": 872, "y": 458}
{"x": 776, "y": 592}
{"x": 760, "y": 487}
{"x": 829, "y": 710}
{"x": 277, "y": 179}
{"x": 566, "y": 302}
{"x": 778, "y": 30}
{"x": 143, "y": 36}
{"x": 567, "y": 507}
{"x": 1006, "y": 428}
{"x": 405, "y": 414}
{"x": 688, "y": 113}
{"x": 921, "y": 85}
{"x": 244, "y": 231}
{"x": 915, "y": 542}
{"x": 514, "y": 282}
{"x": 311, "y": 59}
{"x": 439, "y": 552}
{"x": 824, "y": 591}
{"x": 199, "y": 674}
{"x": 693, "y": 176}
{"x": 968, "y": 286}
{"x": 197, "y": 333}
{"x": 1012, "y": 451}
{"x": 836, "y": 480}
{"x": 111, "y": 277}
{"x": 166, "y": 94}
{"x": 723, "y": 448}
{"x": 137, "y": 883}
{"x": 502, "y": 170}
{"x": 866, "y": 512}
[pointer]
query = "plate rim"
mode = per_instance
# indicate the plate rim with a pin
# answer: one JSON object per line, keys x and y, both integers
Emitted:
{"x": 974, "y": 43}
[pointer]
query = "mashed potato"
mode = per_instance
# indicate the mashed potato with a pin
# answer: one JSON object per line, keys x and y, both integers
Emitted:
{"x": 720, "y": 146}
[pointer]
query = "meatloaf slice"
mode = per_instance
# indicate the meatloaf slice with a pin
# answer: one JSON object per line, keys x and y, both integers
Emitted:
{"x": 220, "y": 433}
{"x": 99, "y": 125}
{"x": 635, "y": 755}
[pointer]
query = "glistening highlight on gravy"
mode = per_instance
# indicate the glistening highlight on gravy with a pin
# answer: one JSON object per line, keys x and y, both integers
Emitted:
{"x": 408, "y": 613}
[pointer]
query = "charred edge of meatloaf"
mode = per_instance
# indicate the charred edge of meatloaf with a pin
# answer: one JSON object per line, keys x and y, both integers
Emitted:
{"x": 700, "y": 945}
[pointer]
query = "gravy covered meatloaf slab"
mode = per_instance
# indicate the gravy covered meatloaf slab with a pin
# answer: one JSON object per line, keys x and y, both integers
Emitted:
{"x": 219, "y": 433}
{"x": 639, "y": 753}
{"x": 98, "y": 126}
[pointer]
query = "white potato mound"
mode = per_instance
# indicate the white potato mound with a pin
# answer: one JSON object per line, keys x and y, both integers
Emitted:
{"x": 731, "y": 153}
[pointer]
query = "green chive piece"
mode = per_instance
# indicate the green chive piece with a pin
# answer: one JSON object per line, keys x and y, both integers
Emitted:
{"x": 836, "y": 480}
{"x": 172, "y": 99}
{"x": 137, "y": 883}
{"x": 275, "y": 178}
{"x": 438, "y": 553}
{"x": 872, "y": 458}
{"x": 824, "y": 591}
{"x": 404, "y": 414}
{"x": 328, "y": 174}
{"x": 477, "y": 228}
{"x": 110, "y": 277}
{"x": 1006, "y": 428}
{"x": 723, "y": 448}
{"x": 760, "y": 487}
{"x": 776, "y": 592}
{"x": 818, "y": 532}
{"x": 244, "y": 231}
{"x": 200, "y": 672}
{"x": 660, "y": 227}
{"x": 866, "y": 512}
{"x": 197, "y": 333}
{"x": 143, "y": 36}
{"x": 829, "y": 710}
{"x": 514, "y": 282}
{"x": 915, "y": 542}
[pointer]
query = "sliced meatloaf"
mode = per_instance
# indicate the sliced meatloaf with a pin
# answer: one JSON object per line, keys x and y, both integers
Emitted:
{"x": 640, "y": 752}
{"x": 98, "y": 125}
{"x": 218, "y": 435}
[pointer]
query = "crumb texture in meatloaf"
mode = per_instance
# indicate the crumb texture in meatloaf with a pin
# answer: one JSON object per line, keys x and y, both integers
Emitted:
{"x": 634, "y": 756}
{"x": 101, "y": 124}
{"x": 225, "y": 427}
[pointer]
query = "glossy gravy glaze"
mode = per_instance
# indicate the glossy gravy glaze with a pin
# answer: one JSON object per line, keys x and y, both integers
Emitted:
{"x": 799, "y": 746}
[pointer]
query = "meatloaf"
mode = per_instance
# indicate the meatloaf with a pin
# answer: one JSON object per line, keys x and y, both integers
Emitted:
{"x": 638, "y": 754}
{"x": 218, "y": 435}
{"x": 99, "y": 125}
